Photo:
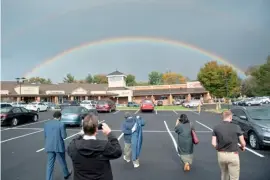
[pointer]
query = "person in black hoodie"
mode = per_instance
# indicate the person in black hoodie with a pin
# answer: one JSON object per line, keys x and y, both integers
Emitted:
{"x": 90, "y": 156}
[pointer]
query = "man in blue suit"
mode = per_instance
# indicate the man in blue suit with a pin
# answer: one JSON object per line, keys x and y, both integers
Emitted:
{"x": 55, "y": 133}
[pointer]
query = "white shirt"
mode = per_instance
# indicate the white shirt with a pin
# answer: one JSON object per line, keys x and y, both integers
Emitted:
{"x": 86, "y": 137}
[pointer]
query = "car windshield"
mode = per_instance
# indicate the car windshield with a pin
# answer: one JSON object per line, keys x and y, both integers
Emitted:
{"x": 71, "y": 109}
{"x": 5, "y": 109}
{"x": 147, "y": 102}
{"x": 260, "y": 113}
{"x": 85, "y": 102}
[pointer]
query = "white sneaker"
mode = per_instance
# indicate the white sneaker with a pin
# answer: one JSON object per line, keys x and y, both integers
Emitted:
{"x": 127, "y": 160}
{"x": 136, "y": 165}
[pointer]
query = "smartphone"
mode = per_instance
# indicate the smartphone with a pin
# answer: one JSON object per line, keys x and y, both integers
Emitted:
{"x": 100, "y": 124}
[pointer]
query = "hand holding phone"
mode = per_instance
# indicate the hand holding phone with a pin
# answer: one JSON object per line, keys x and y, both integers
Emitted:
{"x": 100, "y": 125}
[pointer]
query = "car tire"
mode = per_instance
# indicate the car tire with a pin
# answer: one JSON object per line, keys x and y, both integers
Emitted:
{"x": 14, "y": 122}
{"x": 253, "y": 141}
{"x": 249, "y": 104}
{"x": 266, "y": 102}
{"x": 38, "y": 110}
{"x": 35, "y": 118}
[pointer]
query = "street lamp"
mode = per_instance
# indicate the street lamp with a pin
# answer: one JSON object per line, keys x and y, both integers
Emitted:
{"x": 20, "y": 81}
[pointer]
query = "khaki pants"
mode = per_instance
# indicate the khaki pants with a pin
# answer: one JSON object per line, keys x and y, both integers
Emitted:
{"x": 229, "y": 164}
{"x": 127, "y": 154}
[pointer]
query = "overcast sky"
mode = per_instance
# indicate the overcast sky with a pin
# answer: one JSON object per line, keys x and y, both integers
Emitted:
{"x": 36, "y": 30}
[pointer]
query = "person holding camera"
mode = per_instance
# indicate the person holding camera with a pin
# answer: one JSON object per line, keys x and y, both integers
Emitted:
{"x": 183, "y": 129}
{"x": 133, "y": 137}
{"x": 91, "y": 156}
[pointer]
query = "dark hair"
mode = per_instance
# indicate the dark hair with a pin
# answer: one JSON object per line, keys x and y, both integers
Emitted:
{"x": 90, "y": 124}
{"x": 183, "y": 119}
{"x": 57, "y": 114}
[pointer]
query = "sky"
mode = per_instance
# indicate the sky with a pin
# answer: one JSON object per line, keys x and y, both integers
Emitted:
{"x": 34, "y": 31}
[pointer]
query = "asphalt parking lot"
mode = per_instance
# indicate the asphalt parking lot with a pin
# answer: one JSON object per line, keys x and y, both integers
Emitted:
{"x": 23, "y": 157}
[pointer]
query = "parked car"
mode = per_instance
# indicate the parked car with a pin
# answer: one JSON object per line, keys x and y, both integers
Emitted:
{"x": 192, "y": 103}
{"x": 255, "y": 123}
{"x": 88, "y": 104}
{"x": 147, "y": 105}
{"x": 36, "y": 106}
{"x": 73, "y": 115}
{"x": 3, "y": 105}
{"x": 177, "y": 102}
{"x": 16, "y": 115}
{"x": 68, "y": 103}
{"x": 105, "y": 106}
{"x": 132, "y": 104}
{"x": 253, "y": 102}
{"x": 264, "y": 100}
{"x": 159, "y": 103}
{"x": 19, "y": 104}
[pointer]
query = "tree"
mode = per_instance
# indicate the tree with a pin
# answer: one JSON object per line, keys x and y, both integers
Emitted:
{"x": 89, "y": 79}
{"x": 69, "y": 79}
{"x": 100, "y": 79}
{"x": 248, "y": 87}
{"x": 251, "y": 69}
{"x": 262, "y": 79}
{"x": 39, "y": 80}
{"x": 142, "y": 84}
{"x": 155, "y": 78}
{"x": 217, "y": 78}
{"x": 173, "y": 78}
{"x": 130, "y": 80}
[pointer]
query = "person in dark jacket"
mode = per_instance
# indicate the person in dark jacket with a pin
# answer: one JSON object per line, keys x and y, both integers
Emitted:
{"x": 183, "y": 129}
{"x": 91, "y": 156}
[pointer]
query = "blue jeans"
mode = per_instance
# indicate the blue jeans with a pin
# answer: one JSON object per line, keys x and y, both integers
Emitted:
{"x": 50, "y": 164}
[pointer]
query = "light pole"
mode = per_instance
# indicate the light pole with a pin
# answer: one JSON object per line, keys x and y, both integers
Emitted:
{"x": 20, "y": 81}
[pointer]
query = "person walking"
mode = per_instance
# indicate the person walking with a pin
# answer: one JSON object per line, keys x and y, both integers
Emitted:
{"x": 225, "y": 140}
{"x": 91, "y": 156}
{"x": 183, "y": 129}
{"x": 133, "y": 138}
{"x": 55, "y": 133}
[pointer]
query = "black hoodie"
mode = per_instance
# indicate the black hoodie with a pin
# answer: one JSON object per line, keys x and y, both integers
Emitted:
{"x": 91, "y": 158}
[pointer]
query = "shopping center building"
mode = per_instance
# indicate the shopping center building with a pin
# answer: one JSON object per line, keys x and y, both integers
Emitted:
{"x": 116, "y": 90}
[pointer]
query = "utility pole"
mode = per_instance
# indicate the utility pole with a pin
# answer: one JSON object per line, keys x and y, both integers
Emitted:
{"x": 20, "y": 81}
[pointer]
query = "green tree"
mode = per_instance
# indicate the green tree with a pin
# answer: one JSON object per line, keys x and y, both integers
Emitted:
{"x": 217, "y": 78}
{"x": 248, "y": 87}
{"x": 262, "y": 79}
{"x": 155, "y": 78}
{"x": 69, "y": 79}
{"x": 89, "y": 79}
{"x": 142, "y": 84}
{"x": 130, "y": 80}
{"x": 173, "y": 78}
{"x": 39, "y": 80}
{"x": 100, "y": 79}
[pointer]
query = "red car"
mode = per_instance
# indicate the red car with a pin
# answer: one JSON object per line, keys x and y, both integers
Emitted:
{"x": 105, "y": 106}
{"x": 147, "y": 105}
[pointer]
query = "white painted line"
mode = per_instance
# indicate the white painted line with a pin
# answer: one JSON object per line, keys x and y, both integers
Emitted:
{"x": 204, "y": 126}
{"x": 175, "y": 112}
{"x": 121, "y": 135}
{"x": 195, "y": 112}
{"x": 250, "y": 150}
{"x": 156, "y": 111}
{"x": 17, "y": 137}
{"x": 116, "y": 112}
{"x": 25, "y": 125}
{"x": 137, "y": 111}
{"x": 27, "y": 128}
{"x": 64, "y": 139}
{"x": 174, "y": 141}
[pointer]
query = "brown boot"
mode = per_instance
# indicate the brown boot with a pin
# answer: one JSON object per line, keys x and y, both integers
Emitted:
{"x": 186, "y": 167}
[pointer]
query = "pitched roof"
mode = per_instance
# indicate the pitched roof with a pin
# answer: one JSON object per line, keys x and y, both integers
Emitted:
{"x": 168, "y": 91}
{"x": 115, "y": 73}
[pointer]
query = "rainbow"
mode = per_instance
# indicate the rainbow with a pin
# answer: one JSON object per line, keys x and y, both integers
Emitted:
{"x": 139, "y": 39}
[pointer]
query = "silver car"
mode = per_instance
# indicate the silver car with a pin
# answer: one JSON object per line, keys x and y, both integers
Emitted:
{"x": 192, "y": 103}
{"x": 255, "y": 123}
{"x": 253, "y": 102}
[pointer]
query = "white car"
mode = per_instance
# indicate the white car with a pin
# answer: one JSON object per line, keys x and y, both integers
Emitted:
{"x": 19, "y": 104}
{"x": 192, "y": 103}
{"x": 37, "y": 106}
{"x": 88, "y": 104}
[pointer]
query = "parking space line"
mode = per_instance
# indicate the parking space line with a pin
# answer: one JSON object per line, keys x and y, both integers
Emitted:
{"x": 17, "y": 137}
{"x": 116, "y": 111}
{"x": 175, "y": 112}
{"x": 121, "y": 135}
{"x": 174, "y": 141}
{"x": 195, "y": 112}
{"x": 250, "y": 150}
{"x": 137, "y": 111}
{"x": 25, "y": 125}
{"x": 156, "y": 111}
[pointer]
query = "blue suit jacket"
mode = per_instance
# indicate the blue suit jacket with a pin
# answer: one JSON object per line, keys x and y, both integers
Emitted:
{"x": 55, "y": 133}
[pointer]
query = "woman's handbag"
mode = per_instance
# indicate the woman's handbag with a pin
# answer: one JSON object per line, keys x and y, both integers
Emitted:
{"x": 195, "y": 138}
